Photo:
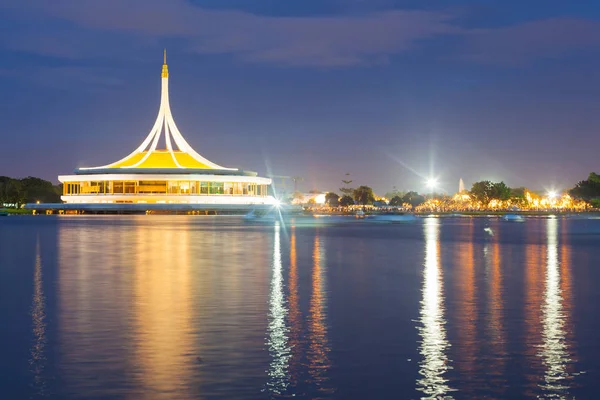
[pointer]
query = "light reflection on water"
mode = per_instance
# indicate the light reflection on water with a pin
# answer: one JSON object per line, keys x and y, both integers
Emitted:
{"x": 554, "y": 350}
{"x": 318, "y": 343}
{"x": 164, "y": 348}
{"x": 37, "y": 361}
{"x": 466, "y": 313}
{"x": 160, "y": 308}
{"x": 296, "y": 335}
{"x": 495, "y": 323}
{"x": 277, "y": 330}
{"x": 433, "y": 343}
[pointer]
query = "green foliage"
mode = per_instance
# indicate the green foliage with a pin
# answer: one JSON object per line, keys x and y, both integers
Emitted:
{"x": 484, "y": 191}
{"x": 413, "y": 198}
{"x": 394, "y": 193}
{"x": 480, "y": 191}
{"x": 364, "y": 195}
{"x": 396, "y": 201}
{"x": 595, "y": 203}
{"x": 28, "y": 190}
{"x": 500, "y": 191}
{"x": 594, "y": 178}
{"x": 332, "y": 199}
{"x": 588, "y": 189}
{"x": 346, "y": 201}
{"x": 517, "y": 193}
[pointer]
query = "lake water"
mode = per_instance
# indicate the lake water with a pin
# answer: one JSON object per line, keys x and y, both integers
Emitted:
{"x": 184, "y": 307}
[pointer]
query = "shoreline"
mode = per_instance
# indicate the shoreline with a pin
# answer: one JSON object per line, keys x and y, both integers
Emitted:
{"x": 496, "y": 213}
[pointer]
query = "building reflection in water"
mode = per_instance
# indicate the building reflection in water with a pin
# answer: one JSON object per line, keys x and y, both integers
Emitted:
{"x": 554, "y": 350}
{"x": 125, "y": 310}
{"x": 295, "y": 317}
{"x": 318, "y": 344}
{"x": 432, "y": 330}
{"x": 164, "y": 345}
{"x": 277, "y": 340}
{"x": 37, "y": 361}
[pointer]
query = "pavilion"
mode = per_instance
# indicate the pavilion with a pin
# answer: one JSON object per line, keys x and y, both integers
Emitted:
{"x": 152, "y": 178}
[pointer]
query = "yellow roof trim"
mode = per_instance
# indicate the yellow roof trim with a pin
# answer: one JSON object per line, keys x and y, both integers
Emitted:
{"x": 161, "y": 159}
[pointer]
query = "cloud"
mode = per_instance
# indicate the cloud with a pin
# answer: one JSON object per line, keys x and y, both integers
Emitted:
{"x": 518, "y": 44}
{"x": 80, "y": 29}
{"x": 301, "y": 41}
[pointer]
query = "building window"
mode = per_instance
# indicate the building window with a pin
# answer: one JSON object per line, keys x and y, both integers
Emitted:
{"x": 118, "y": 187}
{"x": 129, "y": 187}
{"x": 204, "y": 187}
{"x": 150, "y": 187}
{"x": 217, "y": 188}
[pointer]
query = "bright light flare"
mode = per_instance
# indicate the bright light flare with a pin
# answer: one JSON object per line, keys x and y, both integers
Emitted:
{"x": 431, "y": 183}
{"x": 552, "y": 194}
{"x": 320, "y": 199}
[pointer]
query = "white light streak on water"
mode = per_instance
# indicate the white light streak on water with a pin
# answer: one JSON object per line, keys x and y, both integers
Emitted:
{"x": 554, "y": 351}
{"x": 278, "y": 331}
{"x": 434, "y": 344}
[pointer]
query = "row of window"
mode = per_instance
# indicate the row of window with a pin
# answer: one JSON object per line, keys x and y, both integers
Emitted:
{"x": 164, "y": 187}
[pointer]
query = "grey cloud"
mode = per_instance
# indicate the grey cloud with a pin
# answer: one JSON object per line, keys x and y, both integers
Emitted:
{"x": 314, "y": 41}
{"x": 514, "y": 45}
{"x": 94, "y": 26}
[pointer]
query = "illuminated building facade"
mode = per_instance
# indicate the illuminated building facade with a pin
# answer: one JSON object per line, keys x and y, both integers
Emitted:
{"x": 175, "y": 174}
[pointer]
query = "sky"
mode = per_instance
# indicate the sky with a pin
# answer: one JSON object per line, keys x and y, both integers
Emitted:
{"x": 391, "y": 92}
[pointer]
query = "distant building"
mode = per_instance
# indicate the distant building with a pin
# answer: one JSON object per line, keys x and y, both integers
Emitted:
{"x": 175, "y": 174}
{"x": 309, "y": 198}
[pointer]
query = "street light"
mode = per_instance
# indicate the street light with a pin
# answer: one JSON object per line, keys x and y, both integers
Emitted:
{"x": 431, "y": 183}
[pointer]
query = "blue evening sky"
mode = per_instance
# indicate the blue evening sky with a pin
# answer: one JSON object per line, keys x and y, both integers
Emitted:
{"x": 388, "y": 91}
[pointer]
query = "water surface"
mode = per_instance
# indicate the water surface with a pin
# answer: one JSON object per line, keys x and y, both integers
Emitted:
{"x": 163, "y": 307}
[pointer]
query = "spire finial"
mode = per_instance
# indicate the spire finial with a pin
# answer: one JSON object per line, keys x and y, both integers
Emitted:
{"x": 165, "y": 69}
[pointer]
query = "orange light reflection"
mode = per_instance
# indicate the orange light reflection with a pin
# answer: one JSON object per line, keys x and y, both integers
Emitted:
{"x": 318, "y": 352}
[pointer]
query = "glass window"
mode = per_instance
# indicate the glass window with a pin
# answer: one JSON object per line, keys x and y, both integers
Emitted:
{"x": 203, "y": 187}
{"x": 152, "y": 187}
{"x": 184, "y": 187}
{"x": 129, "y": 187}
{"x": 118, "y": 187}
{"x": 173, "y": 187}
{"x": 217, "y": 188}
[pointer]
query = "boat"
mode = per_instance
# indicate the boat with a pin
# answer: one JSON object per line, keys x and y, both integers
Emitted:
{"x": 3, "y": 213}
{"x": 259, "y": 216}
{"x": 393, "y": 218}
{"x": 513, "y": 218}
{"x": 360, "y": 214}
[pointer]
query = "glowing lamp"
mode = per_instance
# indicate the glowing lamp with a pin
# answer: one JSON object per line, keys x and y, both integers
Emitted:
{"x": 431, "y": 183}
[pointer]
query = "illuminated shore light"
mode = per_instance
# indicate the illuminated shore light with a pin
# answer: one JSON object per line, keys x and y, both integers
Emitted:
{"x": 530, "y": 202}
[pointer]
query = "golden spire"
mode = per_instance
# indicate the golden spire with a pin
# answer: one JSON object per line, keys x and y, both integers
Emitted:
{"x": 165, "y": 70}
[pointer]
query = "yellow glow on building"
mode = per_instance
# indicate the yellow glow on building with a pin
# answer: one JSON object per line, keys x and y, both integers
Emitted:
{"x": 161, "y": 159}
{"x": 170, "y": 175}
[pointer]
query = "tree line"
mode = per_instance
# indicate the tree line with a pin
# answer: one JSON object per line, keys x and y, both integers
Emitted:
{"x": 482, "y": 191}
{"x": 588, "y": 190}
{"x": 16, "y": 192}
